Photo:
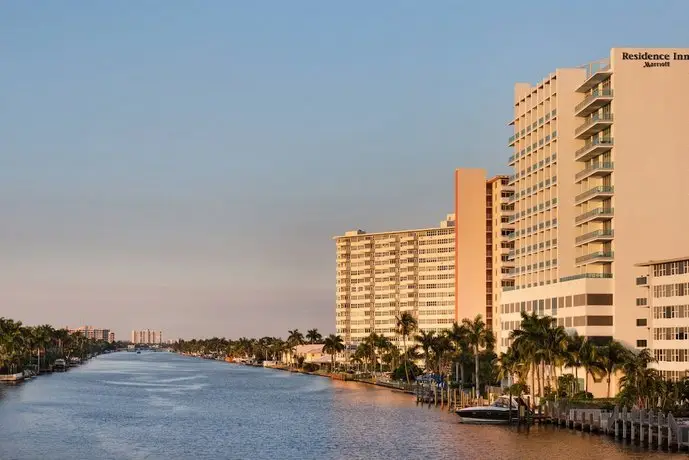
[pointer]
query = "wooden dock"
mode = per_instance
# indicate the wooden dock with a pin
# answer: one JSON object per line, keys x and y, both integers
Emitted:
{"x": 643, "y": 427}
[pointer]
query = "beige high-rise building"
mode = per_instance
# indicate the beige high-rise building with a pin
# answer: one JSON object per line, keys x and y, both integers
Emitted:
{"x": 380, "y": 275}
{"x": 600, "y": 163}
{"x": 483, "y": 208}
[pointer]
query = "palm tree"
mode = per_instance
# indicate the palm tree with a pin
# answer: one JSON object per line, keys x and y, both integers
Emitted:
{"x": 591, "y": 361}
{"x": 333, "y": 345}
{"x": 313, "y": 336}
{"x": 458, "y": 336}
{"x": 555, "y": 346}
{"x": 529, "y": 342}
{"x": 372, "y": 342}
{"x": 426, "y": 339}
{"x": 406, "y": 325}
{"x": 506, "y": 365}
{"x": 638, "y": 379}
{"x": 294, "y": 339}
{"x": 363, "y": 351}
{"x": 441, "y": 346}
{"x": 613, "y": 356}
{"x": 479, "y": 337}
{"x": 383, "y": 344}
{"x": 571, "y": 356}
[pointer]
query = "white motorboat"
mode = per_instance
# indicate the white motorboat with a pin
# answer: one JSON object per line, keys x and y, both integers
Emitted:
{"x": 502, "y": 411}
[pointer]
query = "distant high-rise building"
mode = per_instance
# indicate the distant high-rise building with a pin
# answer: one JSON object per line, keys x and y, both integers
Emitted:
{"x": 93, "y": 333}
{"x": 147, "y": 337}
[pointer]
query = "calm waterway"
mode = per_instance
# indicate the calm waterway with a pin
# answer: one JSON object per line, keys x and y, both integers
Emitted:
{"x": 165, "y": 406}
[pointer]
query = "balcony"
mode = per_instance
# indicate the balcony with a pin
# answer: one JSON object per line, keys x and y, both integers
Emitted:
{"x": 587, "y": 276}
{"x": 511, "y": 140}
{"x": 596, "y": 192}
{"x": 595, "y": 169}
{"x": 602, "y": 73}
{"x": 510, "y": 254}
{"x": 593, "y": 102}
{"x": 598, "y": 235}
{"x": 510, "y": 161}
{"x": 595, "y": 258}
{"x": 594, "y": 214}
{"x": 594, "y": 148}
{"x": 593, "y": 125}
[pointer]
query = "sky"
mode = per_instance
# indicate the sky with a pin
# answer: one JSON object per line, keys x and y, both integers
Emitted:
{"x": 183, "y": 166}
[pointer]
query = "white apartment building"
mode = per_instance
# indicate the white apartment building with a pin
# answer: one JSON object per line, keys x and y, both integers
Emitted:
{"x": 662, "y": 314}
{"x": 380, "y": 275}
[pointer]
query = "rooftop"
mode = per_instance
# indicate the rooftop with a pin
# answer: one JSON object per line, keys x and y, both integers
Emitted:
{"x": 662, "y": 261}
{"x": 447, "y": 223}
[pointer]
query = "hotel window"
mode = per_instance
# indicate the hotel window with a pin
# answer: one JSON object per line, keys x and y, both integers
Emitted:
{"x": 641, "y": 343}
{"x": 641, "y": 322}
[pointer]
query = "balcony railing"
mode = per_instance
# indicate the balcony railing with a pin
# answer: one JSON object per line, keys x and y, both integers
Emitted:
{"x": 597, "y": 145}
{"x": 603, "y": 234}
{"x": 594, "y": 167}
{"x": 603, "y": 189}
{"x": 597, "y": 95}
{"x": 594, "y": 256}
{"x": 586, "y": 276}
{"x": 602, "y": 212}
{"x": 605, "y": 118}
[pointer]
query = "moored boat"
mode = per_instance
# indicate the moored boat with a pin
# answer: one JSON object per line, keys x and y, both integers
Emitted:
{"x": 502, "y": 411}
{"x": 60, "y": 365}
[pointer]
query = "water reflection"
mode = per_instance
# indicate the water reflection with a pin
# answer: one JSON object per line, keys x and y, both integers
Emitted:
{"x": 163, "y": 406}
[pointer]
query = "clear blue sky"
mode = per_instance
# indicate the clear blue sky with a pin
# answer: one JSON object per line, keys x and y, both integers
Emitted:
{"x": 183, "y": 165}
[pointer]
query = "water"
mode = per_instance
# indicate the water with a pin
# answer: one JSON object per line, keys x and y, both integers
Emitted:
{"x": 165, "y": 406}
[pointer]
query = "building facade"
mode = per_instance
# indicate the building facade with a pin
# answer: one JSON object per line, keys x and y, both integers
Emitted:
{"x": 147, "y": 337}
{"x": 91, "y": 332}
{"x": 483, "y": 208}
{"x": 599, "y": 163}
{"x": 380, "y": 275}
{"x": 662, "y": 314}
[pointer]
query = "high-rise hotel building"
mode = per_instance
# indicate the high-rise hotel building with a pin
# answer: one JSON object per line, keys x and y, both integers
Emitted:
{"x": 600, "y": 163}
{"x": 380, "y": 275}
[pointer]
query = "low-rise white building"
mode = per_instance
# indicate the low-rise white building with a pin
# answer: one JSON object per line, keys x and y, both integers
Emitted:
{"x": 662, "y": 315}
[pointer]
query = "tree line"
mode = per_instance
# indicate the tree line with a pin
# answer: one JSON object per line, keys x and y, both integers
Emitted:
{"x": 28, "y": 347}
{"x": 542, "y": 360}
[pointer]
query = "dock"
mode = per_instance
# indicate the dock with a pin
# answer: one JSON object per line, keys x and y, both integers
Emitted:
{"x": 647, "y": 428}
{"x": 653, "y": 429}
